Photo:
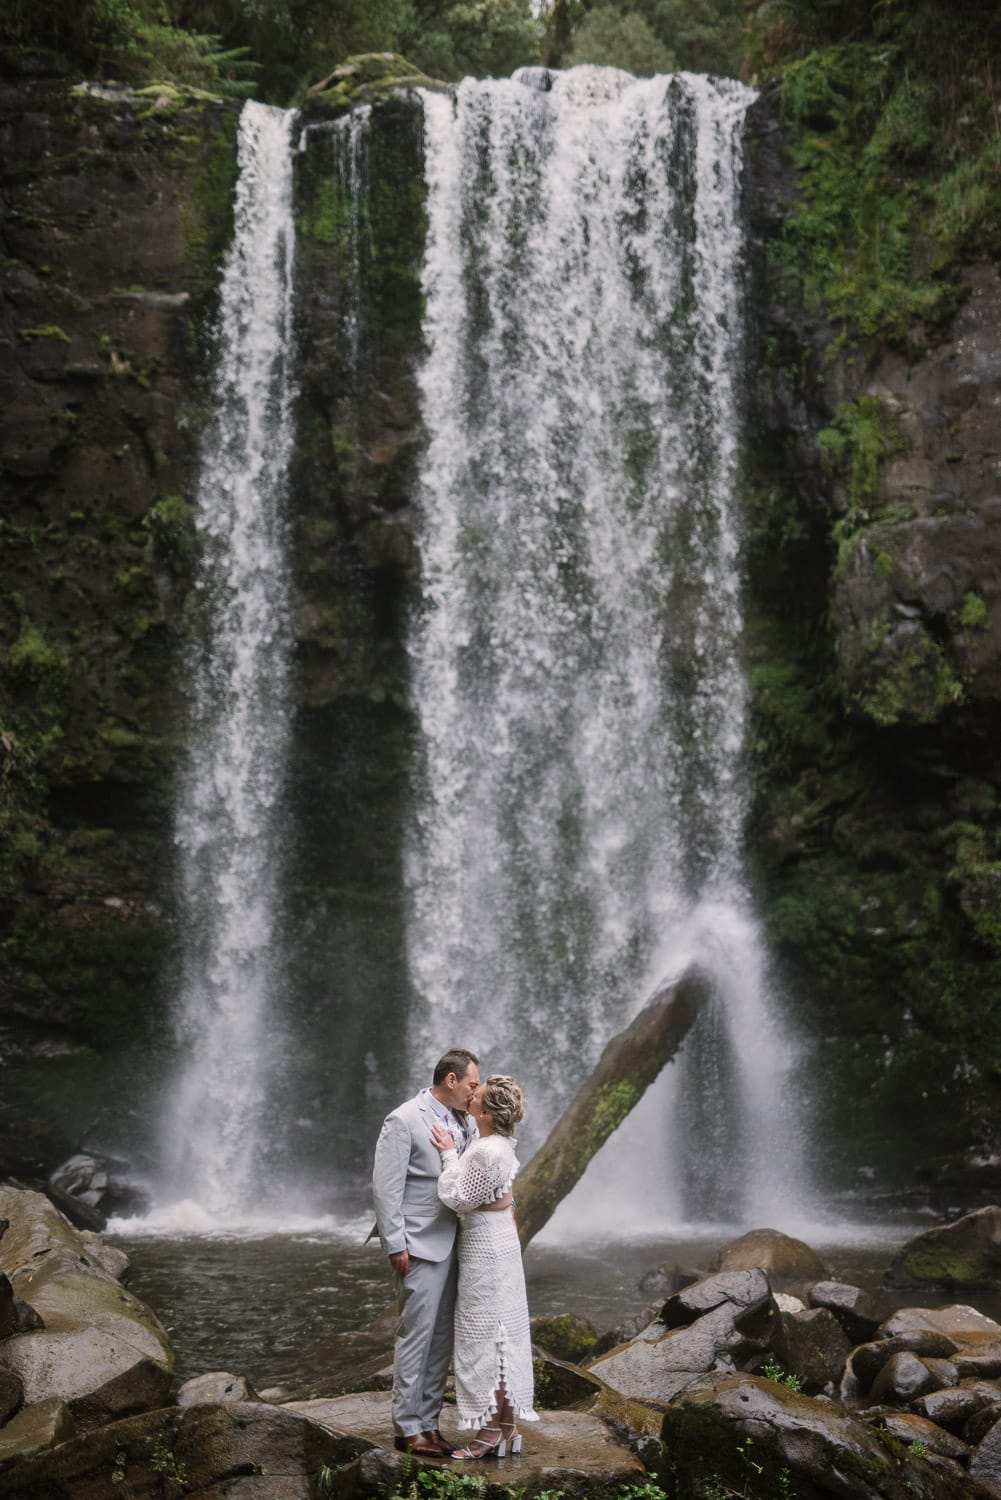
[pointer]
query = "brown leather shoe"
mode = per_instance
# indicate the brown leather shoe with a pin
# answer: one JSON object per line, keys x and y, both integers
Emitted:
{"x": 420, "y": 1444}
{"x": 443, "y": 1443}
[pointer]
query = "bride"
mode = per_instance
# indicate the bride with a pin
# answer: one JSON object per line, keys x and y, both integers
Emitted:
{"x": 493, "y": 1353}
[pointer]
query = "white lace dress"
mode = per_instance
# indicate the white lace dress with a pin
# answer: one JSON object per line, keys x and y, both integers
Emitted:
{"x": 492, "y": 1340}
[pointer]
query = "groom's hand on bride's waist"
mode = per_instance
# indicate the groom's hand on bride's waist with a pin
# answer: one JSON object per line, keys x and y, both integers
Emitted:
{"x": 400, "y": 1262}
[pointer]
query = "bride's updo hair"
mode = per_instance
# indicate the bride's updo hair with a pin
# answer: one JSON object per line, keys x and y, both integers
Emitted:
{"x": 504, "y": 1102}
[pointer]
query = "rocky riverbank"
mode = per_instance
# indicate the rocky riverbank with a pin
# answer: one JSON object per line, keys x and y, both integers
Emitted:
{"x": 761, "y": 1377}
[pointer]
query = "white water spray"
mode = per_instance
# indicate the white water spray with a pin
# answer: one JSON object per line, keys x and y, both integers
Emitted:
{"x": 575, "y": 669}
{"x": 227, "y": 824}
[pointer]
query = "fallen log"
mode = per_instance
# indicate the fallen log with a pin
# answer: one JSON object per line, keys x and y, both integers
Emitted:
{"x": 629, "y": 1064}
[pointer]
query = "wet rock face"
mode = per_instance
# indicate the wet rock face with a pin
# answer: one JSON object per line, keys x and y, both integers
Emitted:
{"x": 917, "y": 603}
{"x": 116, "y": 207}
{"x": 117, "y": 214}
{"x": 874, "y": 619}
{"x": 94, "y": 1348}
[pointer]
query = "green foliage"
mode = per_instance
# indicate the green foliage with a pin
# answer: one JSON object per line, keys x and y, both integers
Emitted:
{"x": 975, "y": 875}
{"x": 621, "y": 39}
{"x": 773, "y": 1371}
{"x": 477, "y": 37}
{"x": 913, "y": 687}
{"x": 647, "y": 36}
{"x": 164, "y": 1460}
{"x": 973, "y": 613}
{"x": 418, "y": 1482}
{"x": 895, "y": 133}
{"x": 169, "y": 524}
{"x": 864, "y": 434}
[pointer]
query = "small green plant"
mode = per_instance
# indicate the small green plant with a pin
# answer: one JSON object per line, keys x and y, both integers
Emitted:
{"x": 773, "y": 1371}
{"x": 973, "y": 613}
{"x": 744, "y": 1451}
{"x": 917, "y": 1448}
{"x": 648, "y": 1491}
{"x": 164, "y": 1460}
{"x": 118, "y": 1468}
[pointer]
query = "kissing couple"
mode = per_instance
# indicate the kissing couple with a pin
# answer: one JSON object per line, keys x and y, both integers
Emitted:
{"x": 444, "y": 1167}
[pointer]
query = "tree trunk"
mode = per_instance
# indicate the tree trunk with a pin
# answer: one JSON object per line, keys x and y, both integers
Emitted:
{"x": 629, "y": 1064}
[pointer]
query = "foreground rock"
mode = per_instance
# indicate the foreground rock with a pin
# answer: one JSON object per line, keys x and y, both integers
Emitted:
{"x": 749, "y": 1436}
{"x": 233, "y": 1450}
{"x": 965, "y": 1255}
{"x": 96, "y": 1349}
{"x": 574, "y": 1451}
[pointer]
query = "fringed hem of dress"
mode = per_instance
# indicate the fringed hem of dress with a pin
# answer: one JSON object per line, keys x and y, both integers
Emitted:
{"x": 487, "y": 1418}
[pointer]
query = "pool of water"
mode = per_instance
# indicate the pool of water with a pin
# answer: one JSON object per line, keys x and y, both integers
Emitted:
{"x": 288, "y": 1308}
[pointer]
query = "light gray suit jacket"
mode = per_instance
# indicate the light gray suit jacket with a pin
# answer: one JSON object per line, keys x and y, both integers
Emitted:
{"x": 409, "y": 1214}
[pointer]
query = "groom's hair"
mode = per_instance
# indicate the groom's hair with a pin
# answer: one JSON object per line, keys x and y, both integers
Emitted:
{"x": 456, "y": 1060}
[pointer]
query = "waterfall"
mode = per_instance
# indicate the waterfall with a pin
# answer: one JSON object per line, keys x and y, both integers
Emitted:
{"x": 581, "y": 794}
{"x": 228, "y": 826}
{"x": 350, "y": 142}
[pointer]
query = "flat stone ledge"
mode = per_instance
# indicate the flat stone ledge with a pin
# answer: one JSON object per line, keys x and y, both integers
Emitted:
{"x": 561, "y": 1440}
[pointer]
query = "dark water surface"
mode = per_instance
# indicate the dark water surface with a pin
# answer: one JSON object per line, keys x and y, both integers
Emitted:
{"x": 277, "y": 1307}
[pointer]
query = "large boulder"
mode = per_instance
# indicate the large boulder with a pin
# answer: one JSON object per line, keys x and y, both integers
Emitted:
{"x": 985, "y": 1461}
{"x": 811, "y": 1345}
{"x": 101, "y": 1351}
{"x": 205, "y": 1451}
{"x": 742, "y": 1290}
{"x": 963, "y": 1255}
{"x": 35, "y": 1430}
{"x": 663, "y": 1361}
{"x": 788, "y": 1263}
{"x": 746, "y": 1436}
{"x": 216, "y": 1388}
{"x": 859, "y": 1313}
{"x": 866, "y": 1361}
{"x": 949, "y": 1408}
{"x": 902, "y": 1379}
{"x": 908, "y": 1427}
{"x": 11, "y": 1395}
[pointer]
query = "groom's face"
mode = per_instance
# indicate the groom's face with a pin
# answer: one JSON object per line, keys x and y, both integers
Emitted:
{"x": 464, "y": 1088}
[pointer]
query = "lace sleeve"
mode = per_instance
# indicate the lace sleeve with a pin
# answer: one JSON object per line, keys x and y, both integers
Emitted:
{"x": 478, "y": 1176}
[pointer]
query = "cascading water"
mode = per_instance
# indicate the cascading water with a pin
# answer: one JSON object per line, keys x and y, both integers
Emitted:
{"x": 227, "y": 824}
{"x": 575, "y": 667}
{"x": 350, "y": 137}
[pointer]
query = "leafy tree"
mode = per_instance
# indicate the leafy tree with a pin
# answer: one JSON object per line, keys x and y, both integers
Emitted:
{"x": 485, "y": 38}
{"x": 621, "y": 39}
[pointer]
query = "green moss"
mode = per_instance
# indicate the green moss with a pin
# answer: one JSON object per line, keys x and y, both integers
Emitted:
{"x": 942, "y": 1265}
{"x": 43, "y": 331}
{"x": 612, "y": 1103}
{"x": 973, "y": 614}
{"x": 33, "y": 657}
{"x": 207, "y": 217}
{"x": 567, "y": 1336}
{"x": 860, "y": 125}
{"x": 913, "y": 687}
{"x": 170, "y": 525}
{"x": 865, "y": 434}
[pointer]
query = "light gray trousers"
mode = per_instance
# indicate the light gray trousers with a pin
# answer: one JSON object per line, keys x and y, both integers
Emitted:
{"x": 426, "y": 1297}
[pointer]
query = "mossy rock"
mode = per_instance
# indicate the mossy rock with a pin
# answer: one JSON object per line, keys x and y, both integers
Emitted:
{"x": 360, "y": 79}
{"x": 964, "y": 1255}
{"x": 567, "y": 1336}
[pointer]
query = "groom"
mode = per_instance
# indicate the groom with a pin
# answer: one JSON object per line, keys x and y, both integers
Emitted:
{"x": 418, "y": 1234}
